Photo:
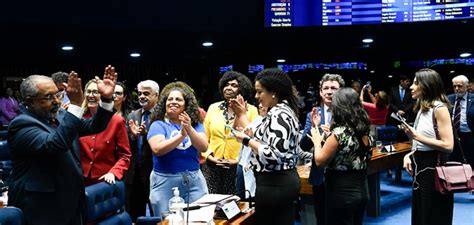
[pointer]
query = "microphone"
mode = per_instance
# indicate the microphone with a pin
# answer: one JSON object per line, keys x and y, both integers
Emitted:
{"x": 186, "y": 182}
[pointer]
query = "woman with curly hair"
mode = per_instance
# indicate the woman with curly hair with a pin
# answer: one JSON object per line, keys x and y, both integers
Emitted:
{"x": 345, "y": 155}
{"x": 220, "y": 165}
{"x": 176, "y": 137}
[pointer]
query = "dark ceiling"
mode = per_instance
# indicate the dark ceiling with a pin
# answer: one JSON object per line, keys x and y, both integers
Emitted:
{"x": 172, "y": 32}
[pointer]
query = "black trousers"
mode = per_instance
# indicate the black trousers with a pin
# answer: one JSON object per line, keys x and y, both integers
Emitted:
{"x": 275, "y": 195}
{"x": 319, "y": 197}
{"x": 467, "y": 141}
{"x": 219, "y": 180}
{"x": 137, "y": 194}
{"x": 429, "y": 207}
{"x": 347, "y": 195}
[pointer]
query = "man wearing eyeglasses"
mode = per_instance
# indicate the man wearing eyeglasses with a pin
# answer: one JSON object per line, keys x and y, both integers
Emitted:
{"x": 47, "y": 183}
{"x": 137, "y": 178}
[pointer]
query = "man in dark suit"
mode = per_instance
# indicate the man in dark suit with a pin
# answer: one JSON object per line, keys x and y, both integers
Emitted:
{"x": 329, "y": 84}
{"x": 137, "y": 178}
{"x": 463, "y": 118}
{"x": 401, "y": 101}
{"x": 47, "y": 182}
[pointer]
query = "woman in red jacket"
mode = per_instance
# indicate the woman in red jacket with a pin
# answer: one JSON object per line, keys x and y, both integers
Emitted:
{"x": 106, "y": 155}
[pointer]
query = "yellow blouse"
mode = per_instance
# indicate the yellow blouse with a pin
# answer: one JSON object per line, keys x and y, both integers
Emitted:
{"x": 221, "y": 142}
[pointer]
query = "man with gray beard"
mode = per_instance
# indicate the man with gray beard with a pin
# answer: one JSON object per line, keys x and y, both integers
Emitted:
{"x": 137, "y": 178}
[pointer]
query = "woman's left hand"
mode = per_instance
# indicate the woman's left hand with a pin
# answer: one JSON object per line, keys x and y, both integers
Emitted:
{"x": 109, "y": 178}
{"x": 316, "y": 136}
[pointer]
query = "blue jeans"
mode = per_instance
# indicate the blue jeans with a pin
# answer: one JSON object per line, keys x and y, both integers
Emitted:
{"x": 161, "y": 185}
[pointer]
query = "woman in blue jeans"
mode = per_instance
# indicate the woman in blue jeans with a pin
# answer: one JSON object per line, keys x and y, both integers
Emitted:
{"x": 176, "y": 138}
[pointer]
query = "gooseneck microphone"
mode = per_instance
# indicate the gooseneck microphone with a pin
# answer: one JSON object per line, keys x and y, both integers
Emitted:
{"x": 186, "y": 182}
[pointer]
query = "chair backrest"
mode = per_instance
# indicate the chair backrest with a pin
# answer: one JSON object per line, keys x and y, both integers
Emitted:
{"x": 105, "y": 203}
{"x": 4, "y": 150}
{"x": 11, "y": 216}
{"x": 387, "y": 134}
{"x": 3, "y": 134}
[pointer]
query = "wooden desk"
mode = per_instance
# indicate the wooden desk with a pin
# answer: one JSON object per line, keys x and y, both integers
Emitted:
{"x": 378, "y": 162}
{"x": 243, "y": 219}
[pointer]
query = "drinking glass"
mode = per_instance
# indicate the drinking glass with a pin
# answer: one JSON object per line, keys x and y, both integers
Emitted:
{"x": 379, "y": 145}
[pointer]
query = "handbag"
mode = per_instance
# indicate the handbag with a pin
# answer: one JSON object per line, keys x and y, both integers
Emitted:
{"x": 452, "y": 177}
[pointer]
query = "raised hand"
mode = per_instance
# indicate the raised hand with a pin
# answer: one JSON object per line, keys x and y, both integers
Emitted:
{"x": 106, "y": 86}
{"x": 315, "y": 117}
{"x": 137, "y": 129}
{"x": 74, "y": 89}
{"x": 185, "y": 121}
{"x": 238, "y": 105}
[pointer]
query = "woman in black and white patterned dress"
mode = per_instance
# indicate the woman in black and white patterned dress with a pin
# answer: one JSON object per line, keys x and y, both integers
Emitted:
{"x": 274, "y": 144}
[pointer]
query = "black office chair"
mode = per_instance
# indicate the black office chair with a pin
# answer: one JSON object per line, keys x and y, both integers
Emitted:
{"x": 106, "y": 203}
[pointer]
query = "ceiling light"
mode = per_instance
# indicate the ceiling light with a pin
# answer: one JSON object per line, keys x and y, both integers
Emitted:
{"x": 465, "y": 54}
{"x": 207, "y": 44}
{"x": 281, "y": 60}
{"x": 135, "y": 55}
{"x": 390, "y": 76}
{"x": 372, "y": 71}
{"x": 368, "y": 40}
{"x": 67, "y": 48}
{"x": 452, "y": 71}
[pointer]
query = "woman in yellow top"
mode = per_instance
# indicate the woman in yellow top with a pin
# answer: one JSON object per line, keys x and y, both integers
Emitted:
{"x": 221, "y": 157}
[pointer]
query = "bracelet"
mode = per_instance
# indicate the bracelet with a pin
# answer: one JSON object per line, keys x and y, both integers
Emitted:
{"x": 106, "y": 100}
{"x": 246, "y": 141}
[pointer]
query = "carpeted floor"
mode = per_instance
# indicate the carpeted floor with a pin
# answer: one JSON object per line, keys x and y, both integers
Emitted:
{"x": 396, "y": 204}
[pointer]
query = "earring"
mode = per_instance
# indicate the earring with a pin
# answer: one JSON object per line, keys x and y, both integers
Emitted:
{"x": 273, "y": 96}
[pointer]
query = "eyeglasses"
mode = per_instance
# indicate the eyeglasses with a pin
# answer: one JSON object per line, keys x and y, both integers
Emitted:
{"x": 52, "y": 97}
{"x": 93, "y": 92}
{"x": 145, "y": 93}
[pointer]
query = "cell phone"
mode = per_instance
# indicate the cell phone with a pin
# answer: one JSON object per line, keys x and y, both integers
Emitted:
{"x": 232, "y": 130}
{"x": 367, "y": 85}
{"x": 399, "y": 118}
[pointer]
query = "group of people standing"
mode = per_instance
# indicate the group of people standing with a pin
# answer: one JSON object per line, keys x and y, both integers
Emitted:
{"x": 58, "y": 148}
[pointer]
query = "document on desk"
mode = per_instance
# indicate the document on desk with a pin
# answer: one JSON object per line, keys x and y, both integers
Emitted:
{"x": 215, "y": 198}
{"x": 203, "y": 215}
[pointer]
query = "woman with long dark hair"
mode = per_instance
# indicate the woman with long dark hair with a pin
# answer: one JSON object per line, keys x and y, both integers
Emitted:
{"x": 345, "y": 155}
{"x": 274, "y": 145}
{"x": 122, "y": 103}
{"x": 428, "y": 205}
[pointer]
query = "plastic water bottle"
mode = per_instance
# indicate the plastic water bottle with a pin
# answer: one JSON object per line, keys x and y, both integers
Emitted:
{"x": 176, "y": 205}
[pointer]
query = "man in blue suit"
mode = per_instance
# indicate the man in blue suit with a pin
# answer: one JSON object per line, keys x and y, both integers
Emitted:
{"x": 463, "y": 118}
{"x": 329, "y": 84}
{"x": 47, "y": 182}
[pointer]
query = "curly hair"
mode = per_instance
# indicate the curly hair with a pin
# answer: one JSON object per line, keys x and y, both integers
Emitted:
{"x": 190, "y": 103}
{"x": 245, "y": 85}
{"x": 347, "y": 111}
{"x": 279, "y": 83}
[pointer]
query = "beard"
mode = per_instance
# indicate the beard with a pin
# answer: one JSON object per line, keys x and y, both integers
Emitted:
{"x": 143, "y": 102}
{"x": 53, "y": 112}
